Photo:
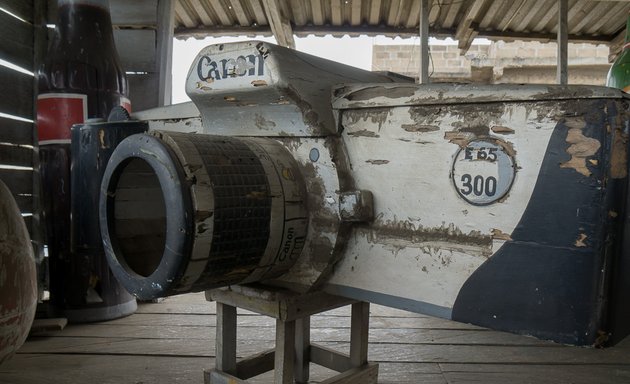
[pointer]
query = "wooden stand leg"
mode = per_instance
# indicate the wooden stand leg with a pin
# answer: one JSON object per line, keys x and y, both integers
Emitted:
{"x": 302, "y": 346}
{"x": 285, "y": 342}
{"x": 359, "y": 328}
{"x": 293, "y": 352}
{"x": 226, "y": 339}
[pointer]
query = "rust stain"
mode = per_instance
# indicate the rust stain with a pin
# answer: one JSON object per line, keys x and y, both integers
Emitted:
{"x": 364, "y": 133}
{"x": 498, "y": 234}
{"x": 259, "y": 83}
{"x": 502, "y": 130}
{"x": 420, "y": 128}
{"x": 619, "y": 154}
{"x": 581, "y": 147}
{"x": 580, "y": 242}
{"x": 377, "y": 162}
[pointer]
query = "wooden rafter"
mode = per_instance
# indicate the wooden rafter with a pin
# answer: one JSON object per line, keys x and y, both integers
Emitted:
{"x": 467, "y": 28}
{"x": 279, "y": 23}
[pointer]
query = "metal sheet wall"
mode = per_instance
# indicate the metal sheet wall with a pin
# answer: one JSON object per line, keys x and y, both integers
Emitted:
{"x": 21, "y": 40}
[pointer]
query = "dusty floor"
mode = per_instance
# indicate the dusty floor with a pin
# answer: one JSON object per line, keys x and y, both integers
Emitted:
{"x": 173, "y": 341}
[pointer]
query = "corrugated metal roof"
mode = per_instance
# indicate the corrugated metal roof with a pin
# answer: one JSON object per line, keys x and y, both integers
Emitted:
{"x": 594, "y": 21}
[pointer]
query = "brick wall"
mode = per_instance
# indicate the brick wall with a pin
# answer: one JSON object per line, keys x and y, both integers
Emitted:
{"x": 498, "y": 62}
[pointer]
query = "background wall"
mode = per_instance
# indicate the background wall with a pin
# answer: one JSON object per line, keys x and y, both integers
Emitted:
{"x": 498, "y": 62}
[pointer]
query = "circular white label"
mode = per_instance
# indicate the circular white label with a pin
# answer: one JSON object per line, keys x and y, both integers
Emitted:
{"x": 483, "y": 171}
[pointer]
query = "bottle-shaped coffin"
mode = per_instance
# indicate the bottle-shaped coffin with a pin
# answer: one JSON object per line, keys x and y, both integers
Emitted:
{"x": 81, "y": 78}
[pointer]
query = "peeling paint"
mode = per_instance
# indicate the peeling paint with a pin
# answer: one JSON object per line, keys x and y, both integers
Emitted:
{"x": 499, "y": 129}
{"x": 581, "y": 147}
{"x": 459, "y": 138}
{"x": 377, "y": 162}
{"x": 375, "y": 115}
{"x": 364, "y": 133}
{"x": 497, "y": 234}
{"x": 380, "y": 91}
{"x": 101, "y": 139}
{"x": 420, "y": 128}
{"x": 580, "y": 242}
{"x": 619, "y": 154}
{"x": 259, "y": 83}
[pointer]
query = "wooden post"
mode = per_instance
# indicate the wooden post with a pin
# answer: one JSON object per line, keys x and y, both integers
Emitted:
{"x": 423, "y": 76}
{"x": 226, "y": 338}
{"x": 562, "y": 74}
{"x": 285, "y": 342}
{"x": 359, "y": 327}
{"x": 302, "y": 347}
{"x": 165, "y": 31}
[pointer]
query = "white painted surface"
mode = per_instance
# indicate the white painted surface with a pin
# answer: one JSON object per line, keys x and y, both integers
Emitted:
{"x": 409, "y": 174}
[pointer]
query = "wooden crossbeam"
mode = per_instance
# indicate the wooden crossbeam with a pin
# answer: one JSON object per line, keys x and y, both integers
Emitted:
{"x": 279, "y": 23}
{"x": 466, "y": 30}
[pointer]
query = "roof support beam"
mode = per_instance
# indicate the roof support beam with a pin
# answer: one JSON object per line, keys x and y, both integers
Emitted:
{"x": 423, "y": 76}
{"x": 562, "y": 73}
{"x": 279, "y": 23}
{"x": 467, "y": 28}
{"x": 183, "y": 33}
{"x": 165, "y": 27}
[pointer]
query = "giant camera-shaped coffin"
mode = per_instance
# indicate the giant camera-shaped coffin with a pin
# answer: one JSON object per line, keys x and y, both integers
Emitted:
{"x": 502, "y": 206}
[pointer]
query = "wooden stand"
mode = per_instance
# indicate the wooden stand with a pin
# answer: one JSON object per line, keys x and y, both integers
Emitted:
{"x": 294, "y": 351}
